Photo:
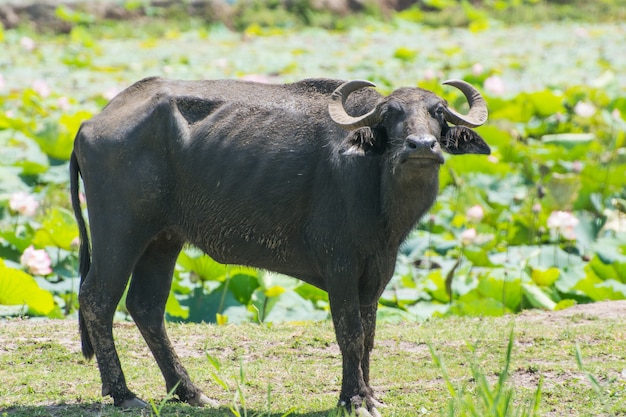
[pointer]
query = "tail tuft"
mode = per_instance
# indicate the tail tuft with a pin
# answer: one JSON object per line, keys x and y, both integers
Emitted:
{"x": 85, "y": 341}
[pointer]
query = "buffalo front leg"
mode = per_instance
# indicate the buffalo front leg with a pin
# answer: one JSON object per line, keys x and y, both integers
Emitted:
{"x": 355, "y": 394}
{"x": 146, "y": 300}
{"x": 368, "y": 320}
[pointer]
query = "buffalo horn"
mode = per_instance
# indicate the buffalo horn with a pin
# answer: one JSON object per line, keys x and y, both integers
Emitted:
{"x": 337, "y": 110}
{"x": 477, "y": 114}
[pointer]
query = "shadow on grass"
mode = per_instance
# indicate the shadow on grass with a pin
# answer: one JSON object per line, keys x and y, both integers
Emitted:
{"x": 99, "y": 410}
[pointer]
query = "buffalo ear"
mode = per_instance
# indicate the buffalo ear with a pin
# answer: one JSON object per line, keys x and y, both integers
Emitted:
{"x": 459, "y": 140}
{"x": 353, "y": 150}
{"x": 362, "y": 142}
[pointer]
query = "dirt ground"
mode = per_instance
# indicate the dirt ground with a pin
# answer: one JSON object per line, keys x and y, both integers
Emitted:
{"x": 599, "y": 310}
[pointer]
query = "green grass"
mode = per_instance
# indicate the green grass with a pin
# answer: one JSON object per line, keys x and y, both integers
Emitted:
{"x": 485, "y": 398}
{"x": 294, "y": 369}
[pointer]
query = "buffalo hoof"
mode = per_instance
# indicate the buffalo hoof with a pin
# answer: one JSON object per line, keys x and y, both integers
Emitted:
{"x": 202, "y": 400}
{"x": 362, "y": 411}
{"x": 133, "y": 403}
{"x": 376, "y": 404}
{"x": 374, "y": 412}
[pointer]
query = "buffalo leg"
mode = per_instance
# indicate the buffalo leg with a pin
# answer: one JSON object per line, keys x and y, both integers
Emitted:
{"x": 147, "y": 296}
{"x": 99, "y": 295}
{"x": 372, "y": 284}
{"x": 368, "y": 319}
{"x": 350, "y": 337}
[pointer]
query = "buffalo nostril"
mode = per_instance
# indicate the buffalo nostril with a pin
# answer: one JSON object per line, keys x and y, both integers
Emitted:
{"x": 411, "y": 144}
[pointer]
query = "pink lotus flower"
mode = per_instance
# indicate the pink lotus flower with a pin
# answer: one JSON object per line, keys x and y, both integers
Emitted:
{"x": 536, "y": 208}
{"x": 429, "y": 74}
{"x": 615, "y": 114}
{"x": 36, "y": 261}
{"x": 27, "y": 43}
{"x": 559, "y": 117}
{"x": 257, "y": 78}
{"x": 41, "y": 87}
{"x": 477, "y": 68}
{"x": 584, "y": 109}
{"x": 563, "y": 223}
{"x": 63, "y": 103}
{"x": 475, "y": 213}
{"x": 581, "y": 32}
{"x": 23, "y": 203}
{"x": 221, "y": 63}
{"x": 468, "y": 236}
{"x": 110, "y": 93}
{"x": 495, "y": 85}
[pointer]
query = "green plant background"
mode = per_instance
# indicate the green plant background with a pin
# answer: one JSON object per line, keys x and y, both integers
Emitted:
{"x": 548, "y": 153}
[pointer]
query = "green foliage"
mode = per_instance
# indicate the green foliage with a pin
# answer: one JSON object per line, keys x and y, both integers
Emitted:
{"x": 477, "y": 16}
{"x": 551, "y": 200}
{"x": 206, "y": 291}
{"x": 72, "y": 16}
{"x": 58, "y": 229}
{"x": 17, "y": 288}
{"x": 405, "y": 54}
{"x": 266, "y": 17}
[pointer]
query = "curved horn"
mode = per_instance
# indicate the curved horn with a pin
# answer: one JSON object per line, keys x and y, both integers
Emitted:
{"x": 477, "y": 114}
{"x": 337, "y": 110}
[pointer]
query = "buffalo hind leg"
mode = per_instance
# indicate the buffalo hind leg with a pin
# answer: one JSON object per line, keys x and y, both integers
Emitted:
{"x": 99, "y": 295}
{"x": 146, "y": 299}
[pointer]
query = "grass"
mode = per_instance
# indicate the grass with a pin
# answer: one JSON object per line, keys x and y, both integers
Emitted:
{"x": 484, "y": 398}
{"x": 294, "y": 369}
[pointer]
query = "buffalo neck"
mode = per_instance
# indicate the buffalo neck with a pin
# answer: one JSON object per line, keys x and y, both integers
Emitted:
{"x": 407, "y": 192}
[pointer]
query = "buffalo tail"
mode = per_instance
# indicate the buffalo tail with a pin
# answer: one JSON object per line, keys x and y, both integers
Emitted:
{"x": 84, "y": 254}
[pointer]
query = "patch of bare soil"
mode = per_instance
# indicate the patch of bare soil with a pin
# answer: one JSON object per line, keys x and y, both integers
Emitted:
{"x": 593, "y": 311}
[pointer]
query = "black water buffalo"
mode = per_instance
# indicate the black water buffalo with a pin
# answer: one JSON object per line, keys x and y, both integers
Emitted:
{"x": 287, "y": 178}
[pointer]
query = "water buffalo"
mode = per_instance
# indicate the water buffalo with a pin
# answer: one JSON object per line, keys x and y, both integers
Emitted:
{"x": 320, "y": 179}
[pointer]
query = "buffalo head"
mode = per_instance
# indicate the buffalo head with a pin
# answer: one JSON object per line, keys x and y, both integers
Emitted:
{"x": 412, "y": 122}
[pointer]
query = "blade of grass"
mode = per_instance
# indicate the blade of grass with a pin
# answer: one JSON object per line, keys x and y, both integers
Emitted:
{"x": 157, "y": 410}
{"x": 592, "y": 379}
{"x": 505, "y": 374}
{"x": 440, "y": 364}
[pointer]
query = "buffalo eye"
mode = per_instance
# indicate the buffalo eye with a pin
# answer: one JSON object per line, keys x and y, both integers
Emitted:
{"x": 439, "y": 112}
